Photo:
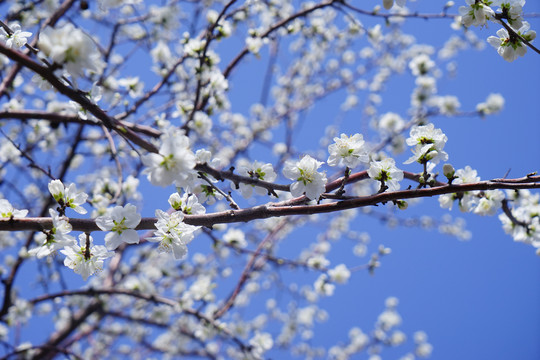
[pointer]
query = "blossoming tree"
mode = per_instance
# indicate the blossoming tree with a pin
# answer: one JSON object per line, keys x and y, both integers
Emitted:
{"x": 129, "y": 137}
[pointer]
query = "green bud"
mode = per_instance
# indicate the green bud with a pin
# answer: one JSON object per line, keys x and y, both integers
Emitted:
{"x": 402, "y": 204}
{"x": 448, "y": 171}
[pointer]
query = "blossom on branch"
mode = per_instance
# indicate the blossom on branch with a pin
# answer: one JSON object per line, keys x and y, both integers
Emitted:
{"x": 7, "y": 210}
{"x": 17, "y": 39}
{"x": 389, "y": 3}
{"x": 68, "y": 197}
{"x": 489, "y": 203}
{"x": 255, "y": 170}
{"x": 476, "y": 13}
{"x": 467, "y": 200}
{"x": 173, "y": 234}
{"x": 307, "y": 180}
{"x": 493, "y": 104}
{"x": 174, "y": 163}
{"x": 340, "y": 274}
{"x": 510, "y": 46}
{"x": 71, "y": 48}
{"x": 386, "y": 172}
{"x": 428, "y": 144}
{"x": 121, "y": 222}
{"x": 55, "y": 239}
{"x": 188, "y": 204}
{"x": 85, "y": 259}
{"x": 512, "y": 10}
{"x": 349, "y": 151}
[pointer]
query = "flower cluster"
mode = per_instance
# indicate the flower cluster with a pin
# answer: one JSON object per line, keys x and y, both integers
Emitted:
{"x": 386, "y": 172}
{"x": 428, "y": 144}
{"x": 525, "y": 224}
{"x": 348, "y": 150}
{"x": 510, "y": 41}
{"x": 510, "y": 46}
{"x": 55, "y": 239}
{"x": 68, "y": 197}
{"x": 476, "y": 13}
{"x": 479, "y": 202}
{"x": 172, "y": 233}
{"x": 86, "y": 258}
{"x": 255, "y": 170}
{"x": 71, "y": 48}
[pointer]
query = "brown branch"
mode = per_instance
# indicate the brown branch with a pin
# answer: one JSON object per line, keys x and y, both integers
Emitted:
{"x": 246, "y": 273}
{"x": 148, "y": 297}
{"x": 55, "y": 118}
{"x": 278, "y": 210}
{"x": 76, "y": 96}
{"x": 273, "y": 28}
{"x": 51, "y": 21}
{"x": 512, "y": 33}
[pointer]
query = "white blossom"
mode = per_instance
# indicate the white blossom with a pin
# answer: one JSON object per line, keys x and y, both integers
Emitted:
{"x": 68, "y": 197}
{"x": 72, "y": 48}
{"x": 188, "y": 204}
{"x": 261, "y": 343}
{"x": 391, "y": 123}
{"x": 55, "y": 239}
{"x": 174, "y": 163}
{"x": 513, "y": 10}
{"x": 340, "y": 274}
{"x": 448, "y": 105}
{"x": 306, "y": 178}
{"x": 120, "y": 222}
{"x": 493, "y": 104}
{"x": 133, "y": 85}
{"x": 256, "y": 170}
{"x": 7, "y": 210}
{"x": 421, "y": 65}
{"x": 173, "y": 234}
{"x": 467, "y": 200}
{"x": 19, "y": 312}
{"x": 349, "y": 151}
{"x": 389, "y": 3}
{"x": 85, "y": 259}
{"x": 193, "y": 47}
{"x": 235, "y": 237}
{"x": 17, "y": 39}
{"x": 254, "y": 44}
{"x": 476, "y": 13}
{"x": 323, "y": 287}
{"x": 201, "y": 123}
{"x": 428, "y": 144}
{"x": 386, "y": 172}
{"x": 511, "y": 47}
{"x": 489, "y": 203}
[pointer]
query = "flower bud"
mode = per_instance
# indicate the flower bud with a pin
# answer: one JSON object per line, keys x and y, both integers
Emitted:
{"x": 448, "y": 171}
{"x": 402, "y": 204}
{"x": 388, "y": 4}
